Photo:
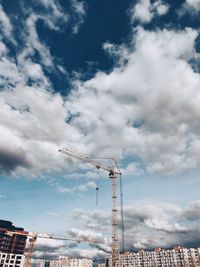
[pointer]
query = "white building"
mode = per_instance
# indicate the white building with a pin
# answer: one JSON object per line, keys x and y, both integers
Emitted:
{"x": 68, "y": 262}
{"x": 176, "y": 257}
{"x": 11, "y": 260}
{"x": 74, "y": 262}
{"x": 60, "y": 262}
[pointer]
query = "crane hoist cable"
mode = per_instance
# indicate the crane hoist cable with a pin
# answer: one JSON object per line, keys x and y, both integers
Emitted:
{"x": 97, "y": 188}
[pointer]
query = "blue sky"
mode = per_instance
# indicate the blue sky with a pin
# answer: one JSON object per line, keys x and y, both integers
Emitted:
{"x": 107, "y": 78}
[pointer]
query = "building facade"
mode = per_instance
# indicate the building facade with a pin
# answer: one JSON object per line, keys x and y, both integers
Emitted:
{"x": 11, "y": 260}
{"x": 11, "y": 246}
{"x": 176, "y": 257}
{"x": 14, "y": 244}
{"x": 67, "y": 262}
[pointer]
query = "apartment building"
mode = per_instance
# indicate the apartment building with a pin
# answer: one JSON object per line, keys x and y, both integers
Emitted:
{"x": 176, "y": 257}
{"x": 67, "y": 262}
{"x": 11, "y": 246}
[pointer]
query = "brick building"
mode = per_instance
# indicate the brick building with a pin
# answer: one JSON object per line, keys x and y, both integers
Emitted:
{"x": 176, "y": 257}
{"x": 14, "y": 244}
{"x": 67, "y": 262}
{"x": 11, "y": 246}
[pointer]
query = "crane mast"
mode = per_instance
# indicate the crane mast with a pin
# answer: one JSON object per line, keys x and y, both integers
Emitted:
{"x": 113, "y": 171}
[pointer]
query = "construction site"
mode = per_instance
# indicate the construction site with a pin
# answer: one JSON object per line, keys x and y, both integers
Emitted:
{"x": 13, "y": 239}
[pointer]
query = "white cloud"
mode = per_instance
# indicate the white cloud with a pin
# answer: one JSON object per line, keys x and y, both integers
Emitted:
{"x": 148, "y": 224}
{"x": 79, "y": 8}
{"x": 195, "y": 4}
{"x": 145, "y": 10}
{"x": 49, "y": 243}
{"x": 34, "y": 44}
{"x": 161, "y": 8}
{"x": 163, "y": 225}
{"x": 147, "y": 106}
{"x": 142, "y": 11}
{"x": 53, "y": 7}
{"x": 139, "y": 104}
{"x": 132, "y": 169}
{"x": 5, "y": 23}
{"x": 86, "y": 186}
{"x": 75, "y": 189}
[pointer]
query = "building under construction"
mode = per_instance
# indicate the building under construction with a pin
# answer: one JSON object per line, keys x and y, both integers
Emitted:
{"x": 11, "y": 246}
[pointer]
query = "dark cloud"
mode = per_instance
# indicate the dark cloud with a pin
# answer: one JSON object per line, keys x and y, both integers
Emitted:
{"x": 192, "y": 212}
{"x": 10, "y": 160}
{"x": 101, "y": 247}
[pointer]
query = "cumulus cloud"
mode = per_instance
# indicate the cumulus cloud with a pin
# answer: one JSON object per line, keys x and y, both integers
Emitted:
{"x": 148, "y": 224}
{"x": 166, "y": 144}
{"x": 26, "y": 97}
{"x": 191, "y": 212}
{"x": 147, "y": 106}
{"x": 154, "y": 128}
{"x": 144, "y": 10}
{"x": 48, "y": 244}
{"x": 50, "y": 249}
{"x": 93, "y": 220}
{"x": 132, "y": 169}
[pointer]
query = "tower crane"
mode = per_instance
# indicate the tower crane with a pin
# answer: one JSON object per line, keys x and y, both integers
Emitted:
{"x": 113, "y": 172}
{"x": 33, "y": 238}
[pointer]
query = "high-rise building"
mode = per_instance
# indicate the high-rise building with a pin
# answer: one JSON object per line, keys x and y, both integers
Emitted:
{"x": 11, "y": 246}
{"x": 14, "y": 244}
{"x": 176, "y": 257}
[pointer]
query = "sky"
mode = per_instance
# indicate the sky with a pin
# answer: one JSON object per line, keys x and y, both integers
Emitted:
{"x": 111, "y": 79}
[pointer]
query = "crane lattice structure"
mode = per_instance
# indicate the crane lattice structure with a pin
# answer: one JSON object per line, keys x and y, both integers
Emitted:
{"x": 113, "y": 172}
